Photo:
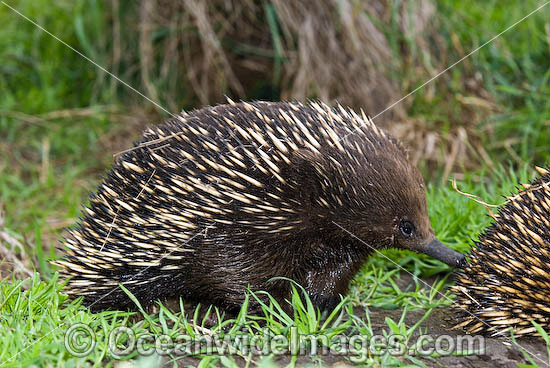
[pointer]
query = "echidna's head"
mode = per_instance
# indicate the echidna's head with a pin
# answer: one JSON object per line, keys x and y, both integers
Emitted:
{"x": 378, "y": 197}
{"x": 404, "y": 213}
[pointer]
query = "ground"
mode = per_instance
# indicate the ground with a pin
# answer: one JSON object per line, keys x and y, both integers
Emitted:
{"x": 491, "y": 352}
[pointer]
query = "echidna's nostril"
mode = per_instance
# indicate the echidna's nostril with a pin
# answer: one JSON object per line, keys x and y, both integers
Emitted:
{"x": 461, "y": 261}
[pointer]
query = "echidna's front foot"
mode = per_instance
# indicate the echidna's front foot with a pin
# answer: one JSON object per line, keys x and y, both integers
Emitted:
{"x": 325, "y": 289}
{"x": 326, "y": 302}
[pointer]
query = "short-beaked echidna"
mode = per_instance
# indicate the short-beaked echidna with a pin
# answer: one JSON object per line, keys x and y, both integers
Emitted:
{"x": 227, "y": 197}
{"x": 506, "y": 283}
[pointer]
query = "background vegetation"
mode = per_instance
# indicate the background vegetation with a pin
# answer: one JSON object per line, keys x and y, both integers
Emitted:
{"x": 485, "y": 122}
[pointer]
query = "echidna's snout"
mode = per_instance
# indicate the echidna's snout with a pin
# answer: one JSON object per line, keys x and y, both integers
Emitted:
{"x": 440, "y": 251}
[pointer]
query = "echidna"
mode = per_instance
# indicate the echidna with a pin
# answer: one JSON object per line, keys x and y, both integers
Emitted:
{"x": 506, "y": 283}
{"x": 228, "y": 197}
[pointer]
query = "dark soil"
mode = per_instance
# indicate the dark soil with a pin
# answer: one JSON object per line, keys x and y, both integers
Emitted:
{"x": 487, "y": 352}
{"x": 498, "y": 352}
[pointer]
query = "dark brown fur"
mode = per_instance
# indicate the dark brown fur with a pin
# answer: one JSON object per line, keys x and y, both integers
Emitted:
{"x": 369, "y": 189}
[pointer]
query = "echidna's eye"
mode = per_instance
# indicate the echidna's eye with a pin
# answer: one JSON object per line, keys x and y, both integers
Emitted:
{"x": 406, "y": 228}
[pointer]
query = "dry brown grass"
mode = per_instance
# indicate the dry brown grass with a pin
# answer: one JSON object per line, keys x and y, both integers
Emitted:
{"x": 335, "y": 50}
{"x": 13, "y": 258}
{"x": 331, "y": 50}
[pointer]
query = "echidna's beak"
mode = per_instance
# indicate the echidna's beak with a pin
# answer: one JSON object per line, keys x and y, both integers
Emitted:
{"x": 440, "y": 251}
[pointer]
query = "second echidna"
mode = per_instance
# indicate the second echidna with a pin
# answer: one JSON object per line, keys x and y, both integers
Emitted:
{"x": 506, "y": 283}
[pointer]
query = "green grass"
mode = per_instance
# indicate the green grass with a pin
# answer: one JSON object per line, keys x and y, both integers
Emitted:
{"x": 514, "y": 69}
{"x": 35, "y": 313}
{"x": 50, "y": 161}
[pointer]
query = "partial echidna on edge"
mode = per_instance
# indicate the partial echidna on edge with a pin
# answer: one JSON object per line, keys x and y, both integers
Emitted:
{"x": 227, "y": 197}
{"x": 506, "y": 283}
